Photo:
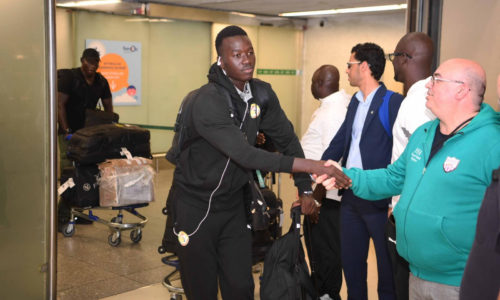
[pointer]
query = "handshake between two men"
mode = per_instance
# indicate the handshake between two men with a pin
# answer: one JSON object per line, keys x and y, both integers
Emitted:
{"x": 336, "y": 179}
{"x": 329, "y": 173}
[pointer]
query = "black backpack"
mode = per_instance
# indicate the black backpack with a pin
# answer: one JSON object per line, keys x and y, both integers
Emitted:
{"x": 184, "y": 136}
{"x": 181, "y": 129}
{"x": 286, "y": 275}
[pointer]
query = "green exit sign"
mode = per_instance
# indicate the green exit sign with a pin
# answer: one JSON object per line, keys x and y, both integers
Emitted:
{"x": 288, "y": 72}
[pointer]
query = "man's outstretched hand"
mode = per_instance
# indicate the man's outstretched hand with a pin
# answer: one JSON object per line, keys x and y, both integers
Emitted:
{"x": 322, "y": 170}
{"x": 335, "y": 179}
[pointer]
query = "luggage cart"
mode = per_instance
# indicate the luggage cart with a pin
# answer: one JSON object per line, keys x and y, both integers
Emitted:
{"x": 176, "y": 291}
{"x": 116, "y": 224}
{"x": 168, "y": 246}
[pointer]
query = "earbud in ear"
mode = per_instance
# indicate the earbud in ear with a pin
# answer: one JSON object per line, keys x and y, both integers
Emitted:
{"x": 218, "y": 60}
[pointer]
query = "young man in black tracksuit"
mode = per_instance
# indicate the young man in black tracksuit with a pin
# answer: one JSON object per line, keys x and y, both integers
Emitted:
{"x": 212, "y": 172}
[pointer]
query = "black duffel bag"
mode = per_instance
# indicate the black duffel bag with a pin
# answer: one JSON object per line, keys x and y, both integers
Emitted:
{"x": 95, "y": 117}
{"x": 95, "y": 144}
{"x": 286, "y": 274}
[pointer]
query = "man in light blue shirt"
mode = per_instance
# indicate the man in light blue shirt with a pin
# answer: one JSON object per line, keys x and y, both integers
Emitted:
{"x": 354, "y": 158}
{"x": 365, "y": 141}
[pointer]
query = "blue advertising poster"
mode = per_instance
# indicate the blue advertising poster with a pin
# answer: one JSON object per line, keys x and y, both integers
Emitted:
{"x": 121, "y": 65}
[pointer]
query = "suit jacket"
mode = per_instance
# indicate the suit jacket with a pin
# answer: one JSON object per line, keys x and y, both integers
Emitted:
{"x": 375, "y": 144}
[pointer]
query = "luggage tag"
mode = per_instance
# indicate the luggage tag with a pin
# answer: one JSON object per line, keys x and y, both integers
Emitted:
{"x": 126, "y": 153}
{"x": 68, "y": 184}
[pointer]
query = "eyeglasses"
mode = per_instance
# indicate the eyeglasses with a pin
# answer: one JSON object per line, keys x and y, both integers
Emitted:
{"x": 434, "y": 79}
{"x": 391, "y": 56}
{"x": 350, "y": 63}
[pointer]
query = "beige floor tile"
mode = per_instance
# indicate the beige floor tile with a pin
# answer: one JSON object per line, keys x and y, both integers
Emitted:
{"x": 151, "y": 276}
{"x": 72, "y": 273}
{"x": 99, "y": 289}
{"x": 155, "y": 291}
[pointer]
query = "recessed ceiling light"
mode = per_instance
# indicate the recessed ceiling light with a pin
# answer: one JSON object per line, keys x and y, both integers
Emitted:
{"x": 344, "y": 10}
{"x": 243, "y": 14}
{"x": 87, "y": 3}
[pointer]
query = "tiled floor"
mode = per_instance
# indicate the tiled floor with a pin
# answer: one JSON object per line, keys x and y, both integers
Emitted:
{"x": 89, "y": 268}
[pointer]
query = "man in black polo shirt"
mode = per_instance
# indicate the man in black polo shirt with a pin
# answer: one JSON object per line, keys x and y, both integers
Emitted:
{"x": 78, "y": 89}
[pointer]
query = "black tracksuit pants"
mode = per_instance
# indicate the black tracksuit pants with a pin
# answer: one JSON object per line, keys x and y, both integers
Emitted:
{"x": 219, "y": 252}
{"x": 323, "y": 249}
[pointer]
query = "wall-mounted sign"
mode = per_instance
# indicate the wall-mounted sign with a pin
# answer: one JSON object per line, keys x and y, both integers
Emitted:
{"x": 289, "y": 72}
{"x": 121, "y": 65}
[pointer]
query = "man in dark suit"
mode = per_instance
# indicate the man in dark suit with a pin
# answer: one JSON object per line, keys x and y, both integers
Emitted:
{"x": 365, "y": 141}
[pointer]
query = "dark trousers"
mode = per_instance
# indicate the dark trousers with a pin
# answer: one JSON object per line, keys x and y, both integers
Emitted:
{"x": 360, "y": 221}
{"x": 219, "y": 252}
{"x": 400, "y": 267}
{"x": 323, "y": 249}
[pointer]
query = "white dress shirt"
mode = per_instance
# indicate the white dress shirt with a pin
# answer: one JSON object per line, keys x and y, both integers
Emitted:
{"x": 411, "y": 115}
{"x": 326, "y": 121}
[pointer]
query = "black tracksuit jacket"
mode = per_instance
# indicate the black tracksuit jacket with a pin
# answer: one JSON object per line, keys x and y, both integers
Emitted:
{"x": 200, "y": 166}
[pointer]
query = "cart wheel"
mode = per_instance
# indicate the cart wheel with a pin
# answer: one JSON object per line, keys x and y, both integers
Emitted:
{"x": 161, "y": 250}
{"x": 136, "y": 235}
{"x": 114, "y": 239}
{"x": 164, "y": 211}
{"x": 68, "y": 230}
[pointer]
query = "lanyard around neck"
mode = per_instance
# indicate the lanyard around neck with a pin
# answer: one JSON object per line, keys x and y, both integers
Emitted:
{"x": 435, "y": 148}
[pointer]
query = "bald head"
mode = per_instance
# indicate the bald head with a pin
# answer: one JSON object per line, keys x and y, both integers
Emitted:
{"x": 456, "y": 92}
{"x": 477, "y": 81}
{"x": 325, "y": 81}
{"x": 474, "y": 76}
{"x": 414, "y": 61}
{"x": 469, "y": 72}
{"x": 419, "y": 45}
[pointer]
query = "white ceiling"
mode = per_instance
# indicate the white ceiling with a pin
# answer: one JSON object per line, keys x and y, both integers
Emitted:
{"x": 259, "y": 7}
{"x": 275, "y": 7}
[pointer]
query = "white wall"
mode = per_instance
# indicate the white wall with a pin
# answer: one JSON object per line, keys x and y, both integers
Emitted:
{"x": 471, "y": 30}
{"x": 332, "y": 44}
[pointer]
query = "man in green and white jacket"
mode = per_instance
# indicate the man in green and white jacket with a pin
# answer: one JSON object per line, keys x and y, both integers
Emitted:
{"x": 442, "y": 176}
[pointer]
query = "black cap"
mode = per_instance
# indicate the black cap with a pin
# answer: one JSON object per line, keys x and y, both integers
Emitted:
{"x": 91, "y": 55}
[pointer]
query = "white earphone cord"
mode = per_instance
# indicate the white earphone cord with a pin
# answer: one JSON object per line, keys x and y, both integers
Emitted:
{"x": 216, "y": 188}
